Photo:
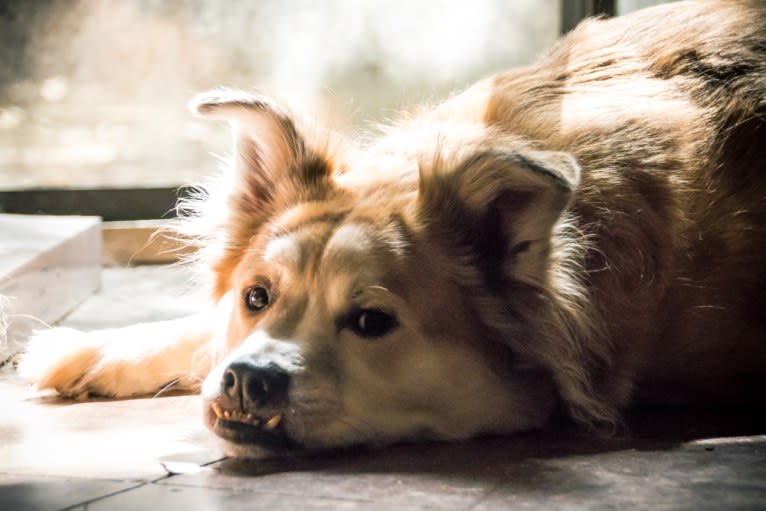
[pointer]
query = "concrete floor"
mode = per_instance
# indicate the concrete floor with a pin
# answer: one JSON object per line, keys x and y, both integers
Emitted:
{"x": 154, "y": 453}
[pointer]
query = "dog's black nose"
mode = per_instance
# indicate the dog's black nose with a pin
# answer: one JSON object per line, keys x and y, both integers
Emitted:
{"x": 248, "y": 384}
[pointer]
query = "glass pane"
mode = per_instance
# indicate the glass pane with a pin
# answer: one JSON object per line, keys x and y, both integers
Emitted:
{"x": 96, "y": 91}
{"x": 626, "y": 6}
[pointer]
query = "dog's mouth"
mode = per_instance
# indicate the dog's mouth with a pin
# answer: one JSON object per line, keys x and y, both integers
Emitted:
{"x": 248, "y": 429}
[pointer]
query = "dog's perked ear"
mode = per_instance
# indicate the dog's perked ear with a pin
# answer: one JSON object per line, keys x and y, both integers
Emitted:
{"x": 274, "y": 167}
{"x": 498, "y": 207}
{"x": 271, "y": 155}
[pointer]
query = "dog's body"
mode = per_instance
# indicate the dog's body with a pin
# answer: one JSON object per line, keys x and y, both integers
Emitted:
{"x": 585, "y": 232}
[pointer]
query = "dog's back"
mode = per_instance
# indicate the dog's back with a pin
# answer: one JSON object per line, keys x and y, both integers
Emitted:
{"x": 665, "y": 111}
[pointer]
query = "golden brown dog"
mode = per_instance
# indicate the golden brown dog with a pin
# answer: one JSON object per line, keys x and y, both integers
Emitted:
{"x": 578, "y": 234}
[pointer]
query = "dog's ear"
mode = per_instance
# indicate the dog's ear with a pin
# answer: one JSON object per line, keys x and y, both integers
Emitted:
{"x": 270, "y": 153}
{"x": 498, "y": 208}
{"x": 273, "y": 168}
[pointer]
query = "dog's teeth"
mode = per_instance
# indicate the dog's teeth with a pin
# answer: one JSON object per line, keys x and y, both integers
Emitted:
{"x": 273, "y": 422}
{"x": 217, "y": 409}
{"x": 227, "y": 414}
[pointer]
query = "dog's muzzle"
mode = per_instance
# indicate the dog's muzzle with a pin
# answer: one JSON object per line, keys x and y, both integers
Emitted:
{"x": 250, "y": 404}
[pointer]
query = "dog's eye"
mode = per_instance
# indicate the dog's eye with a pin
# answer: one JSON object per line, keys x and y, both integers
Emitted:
{"x": 371, "y": 323}
{"x": 256, "y": 298}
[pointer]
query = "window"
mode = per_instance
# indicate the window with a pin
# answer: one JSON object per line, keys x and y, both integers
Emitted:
{"x": 626, "y": 6}
{"x": 96, "y": 92}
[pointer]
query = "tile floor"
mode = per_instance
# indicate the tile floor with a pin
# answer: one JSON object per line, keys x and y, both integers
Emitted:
{"x": 48, "y": 265}
{"x": 154, "y": 454}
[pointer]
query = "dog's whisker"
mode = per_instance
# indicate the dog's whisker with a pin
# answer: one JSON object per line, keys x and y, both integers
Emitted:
{"x": 166, "y": 387}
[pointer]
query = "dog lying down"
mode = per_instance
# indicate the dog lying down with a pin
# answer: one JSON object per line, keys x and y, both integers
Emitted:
{"x": 575, "y": 236}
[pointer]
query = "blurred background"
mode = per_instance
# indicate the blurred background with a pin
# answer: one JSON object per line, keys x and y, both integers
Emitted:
{"x": 93, "y": 93}
{"x": 93, "y": 117}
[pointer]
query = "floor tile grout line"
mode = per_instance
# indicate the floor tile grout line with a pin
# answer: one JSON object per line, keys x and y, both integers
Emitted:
{"x": 170, "y": 473}
{"x": 470, "y": 506}
{"x": 118, "y": 492}
{"x": 207, "y": 464}
{"x": 85, "y": 503}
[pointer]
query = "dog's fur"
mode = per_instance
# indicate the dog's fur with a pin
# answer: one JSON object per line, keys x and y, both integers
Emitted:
{"x": 579, "y": 234}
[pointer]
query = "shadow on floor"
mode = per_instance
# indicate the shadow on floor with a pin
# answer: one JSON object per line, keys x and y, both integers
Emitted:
{"x": 494, "y": 457}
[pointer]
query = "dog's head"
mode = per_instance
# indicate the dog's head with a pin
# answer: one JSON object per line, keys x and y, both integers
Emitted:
{"x": 384, "y": 294}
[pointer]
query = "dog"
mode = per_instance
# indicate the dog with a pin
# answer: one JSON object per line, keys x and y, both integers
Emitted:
{"x": 572, "y": 237}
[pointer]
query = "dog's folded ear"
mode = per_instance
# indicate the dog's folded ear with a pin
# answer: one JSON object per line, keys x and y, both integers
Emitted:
{"x": 271, "y": 154}
{"x": 498, "y": 207}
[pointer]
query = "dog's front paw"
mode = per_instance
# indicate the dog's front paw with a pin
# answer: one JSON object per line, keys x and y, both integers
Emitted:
{"x": 71, "y": 362}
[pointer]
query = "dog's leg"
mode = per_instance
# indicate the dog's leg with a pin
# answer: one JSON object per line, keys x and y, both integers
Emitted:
{"x": 137, "y": 360}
